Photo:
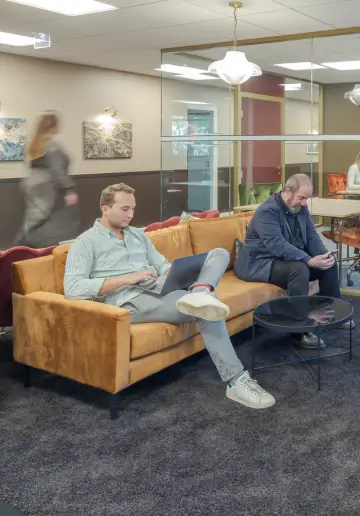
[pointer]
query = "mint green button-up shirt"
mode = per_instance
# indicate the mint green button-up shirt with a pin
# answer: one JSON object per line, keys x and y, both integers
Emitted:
{"x": 98, "y": 254}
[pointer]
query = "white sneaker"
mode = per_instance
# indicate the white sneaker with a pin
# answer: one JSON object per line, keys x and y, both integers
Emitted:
{"x": 203, "y": 305}
{"x": 248, "y": 392}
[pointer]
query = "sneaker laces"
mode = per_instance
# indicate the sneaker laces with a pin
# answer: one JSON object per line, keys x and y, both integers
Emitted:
{"x": 256, "y": 386}
{"x": 251, "y": 385}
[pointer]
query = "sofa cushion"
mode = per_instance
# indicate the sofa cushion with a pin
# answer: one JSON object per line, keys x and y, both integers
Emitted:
{"x": 221, "y": 232}
{"x": 173, "y": 242}
{"x": 59, "y": 255}
{"x": 148, "y": 338}
{"x": 240, "y": 296}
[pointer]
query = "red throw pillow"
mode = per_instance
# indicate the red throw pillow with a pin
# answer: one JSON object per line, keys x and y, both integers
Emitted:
{"x": 172, "y": 221}
{"x": 209, "y": 214}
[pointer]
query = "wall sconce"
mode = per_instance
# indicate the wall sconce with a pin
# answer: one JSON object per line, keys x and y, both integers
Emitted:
{"x": 111, "y": 111}
{"x": 108, "y": 119}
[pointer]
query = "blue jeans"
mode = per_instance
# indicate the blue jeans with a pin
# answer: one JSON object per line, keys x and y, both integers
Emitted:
{"x": 148, "y": 307}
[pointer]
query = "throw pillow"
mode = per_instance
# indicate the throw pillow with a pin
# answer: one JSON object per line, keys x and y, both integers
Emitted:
{"x": 238, "y": 246}
{"x": 184, "y": 217}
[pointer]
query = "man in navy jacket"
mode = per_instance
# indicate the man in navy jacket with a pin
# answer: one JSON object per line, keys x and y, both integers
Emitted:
{"x": 283, "y": 247}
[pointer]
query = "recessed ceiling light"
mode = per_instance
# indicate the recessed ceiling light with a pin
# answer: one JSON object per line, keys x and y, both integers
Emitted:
{"x": 67, "y": 7}
{"x": 169, "y": 68}
{"x": 197, "y": 77}
{"x": 292, "y": 86}
{"x": 344, "y": 65}
{"x": 306, "y": 65}
{"x": 190, "y": 102}
{"x": 15, "y": 40}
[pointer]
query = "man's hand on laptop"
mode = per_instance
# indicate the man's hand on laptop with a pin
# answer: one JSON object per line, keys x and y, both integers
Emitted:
{"x": 322, "y": 261}
{"x": 137, "y": 277}
{"x": 112, "y": 284}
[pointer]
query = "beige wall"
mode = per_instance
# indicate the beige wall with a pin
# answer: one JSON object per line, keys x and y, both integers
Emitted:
{"x": 300, "y": 117}
{"x": 28, "y": 86}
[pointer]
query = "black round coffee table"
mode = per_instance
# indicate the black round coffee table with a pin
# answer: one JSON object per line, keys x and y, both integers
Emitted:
{"x": 302, "y": 314}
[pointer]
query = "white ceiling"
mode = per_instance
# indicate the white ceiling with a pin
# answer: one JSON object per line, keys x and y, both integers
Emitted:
{"x": 130, "y": 38}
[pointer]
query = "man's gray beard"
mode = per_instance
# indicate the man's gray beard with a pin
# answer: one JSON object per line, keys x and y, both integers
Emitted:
{"x": 294, "y": 210}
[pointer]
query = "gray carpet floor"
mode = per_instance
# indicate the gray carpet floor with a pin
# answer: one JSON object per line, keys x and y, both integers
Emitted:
{"x": 180, "y": 448}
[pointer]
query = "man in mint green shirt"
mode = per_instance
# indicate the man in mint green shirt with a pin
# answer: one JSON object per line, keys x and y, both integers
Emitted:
{"x": 117, "y": 264}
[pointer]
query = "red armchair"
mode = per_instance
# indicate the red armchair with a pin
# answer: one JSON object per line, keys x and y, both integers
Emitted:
{"x": 337, "y": 183}
{"x": 16, "y": 254}
{"x": 174, "y": 221}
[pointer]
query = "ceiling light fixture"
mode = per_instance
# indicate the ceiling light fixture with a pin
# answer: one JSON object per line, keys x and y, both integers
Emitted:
{"x": 344, "y": 65}
{"x": 292, "y": 86}
{"x": 354, "y": 95}
{"x": 191, "y": 102}
{"x": 15, "y": 40}
{"x": 197, "y": 76}
{"x": 67, "y": 7}
{"x": 235, "y": 68}
{"x": 305, "y": 65}
{"x": 181, "y": 70}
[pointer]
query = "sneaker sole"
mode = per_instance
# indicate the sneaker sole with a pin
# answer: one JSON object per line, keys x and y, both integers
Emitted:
{"x": 206, "y": 312}
{"x": 247, "y": 404}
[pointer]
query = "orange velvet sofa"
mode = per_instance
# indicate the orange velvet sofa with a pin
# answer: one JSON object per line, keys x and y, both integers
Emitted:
{"x": 95, "y": 344}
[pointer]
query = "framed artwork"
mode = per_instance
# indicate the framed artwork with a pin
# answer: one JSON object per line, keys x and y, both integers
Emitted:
{"x": 107, "y": 141}
{"x": 12, "y": 139}
{"x": 312, "y": 148}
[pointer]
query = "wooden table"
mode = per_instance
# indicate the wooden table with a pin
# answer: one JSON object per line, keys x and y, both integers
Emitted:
{"x": 339, "y": 210}
{"x": 348, "y": 192}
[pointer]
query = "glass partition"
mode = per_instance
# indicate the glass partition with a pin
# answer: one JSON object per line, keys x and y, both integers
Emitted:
{"x": 229, "y": 148}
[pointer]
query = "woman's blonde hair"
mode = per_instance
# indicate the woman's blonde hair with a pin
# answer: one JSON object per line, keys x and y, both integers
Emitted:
{"x": 357, "y": 160}
{"x": 45, "y": 126}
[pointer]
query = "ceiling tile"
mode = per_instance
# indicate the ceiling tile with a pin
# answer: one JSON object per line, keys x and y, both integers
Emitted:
{"x": 286, "y": 21}
{"x": 176, "y": 12}
{"x": 337, "y": 14}
{"x": 249, "y": 6}
{"x": 77, "y": 27}
{"x": 125, "y": 4}
{"x": 14, "y": 14}
{"x": 294, "y": 4}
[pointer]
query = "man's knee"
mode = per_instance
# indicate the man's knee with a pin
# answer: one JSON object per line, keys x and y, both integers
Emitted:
{"x": 220, "y": 253}
{"x": 300, "y": 271}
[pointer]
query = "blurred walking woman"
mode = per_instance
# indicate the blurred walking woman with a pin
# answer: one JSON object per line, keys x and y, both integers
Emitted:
{"x": 51, "y": 213}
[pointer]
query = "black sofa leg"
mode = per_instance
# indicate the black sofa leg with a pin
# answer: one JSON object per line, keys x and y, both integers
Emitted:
{"x": 27, "y": 376}
{"x": 114, "y": 411}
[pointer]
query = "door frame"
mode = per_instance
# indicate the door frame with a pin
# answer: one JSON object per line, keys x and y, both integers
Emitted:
{"x": 238, "y": 96}
{"x": 215, "y": 157}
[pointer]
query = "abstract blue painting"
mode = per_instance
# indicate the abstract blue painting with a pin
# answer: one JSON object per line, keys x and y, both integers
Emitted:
{"x": 12, "y": 139}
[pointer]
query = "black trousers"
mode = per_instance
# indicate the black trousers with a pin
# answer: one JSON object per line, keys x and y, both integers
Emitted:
{"x": 295, "y": 276}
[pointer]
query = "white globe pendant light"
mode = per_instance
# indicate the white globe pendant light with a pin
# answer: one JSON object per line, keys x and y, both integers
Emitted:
{"x": 354, "y": 95}
{"x": 234, "y": 69}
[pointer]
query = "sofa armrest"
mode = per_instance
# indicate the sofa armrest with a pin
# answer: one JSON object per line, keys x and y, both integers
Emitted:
{"x": 85, "y": 341}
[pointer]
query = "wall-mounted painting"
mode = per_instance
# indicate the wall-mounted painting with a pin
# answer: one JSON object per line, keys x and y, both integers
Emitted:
{"x": 107, "y": 141}
{"x": 12, "y": 139}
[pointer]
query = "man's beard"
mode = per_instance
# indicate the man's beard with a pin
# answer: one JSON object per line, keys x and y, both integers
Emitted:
{"x": 295, "y": 209}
